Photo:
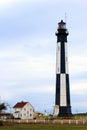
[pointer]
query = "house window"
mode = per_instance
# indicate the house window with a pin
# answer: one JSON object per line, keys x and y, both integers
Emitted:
{"x": 20, "y": 115}
{"x": 30, "y": 114}
{"x": 27, "y": 112}
{"x": 24, "y": 114}
{"x": 30, "y": 109}
{"x": 20, "y": 109}
{"x": 24, "y": 109}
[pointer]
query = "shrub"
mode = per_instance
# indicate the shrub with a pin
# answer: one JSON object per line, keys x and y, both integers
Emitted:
{"x": 1, "y": 123}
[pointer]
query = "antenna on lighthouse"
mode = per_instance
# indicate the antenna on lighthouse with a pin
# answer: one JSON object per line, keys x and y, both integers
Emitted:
{"x": 65, "y": 17}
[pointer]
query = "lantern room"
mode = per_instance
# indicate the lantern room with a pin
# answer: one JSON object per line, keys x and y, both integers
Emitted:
{"x": 62, "y": 32}
{"x": 61, "y": 25}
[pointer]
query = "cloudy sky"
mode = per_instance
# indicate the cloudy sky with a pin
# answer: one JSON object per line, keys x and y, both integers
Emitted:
{"x": 28, "y": 51}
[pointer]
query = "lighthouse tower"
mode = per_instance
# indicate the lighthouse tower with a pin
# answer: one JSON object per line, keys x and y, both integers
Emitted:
{"x": 62, "y": 106}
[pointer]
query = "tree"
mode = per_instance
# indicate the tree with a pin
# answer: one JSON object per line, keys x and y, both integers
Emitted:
{"x": 2, "y": 107}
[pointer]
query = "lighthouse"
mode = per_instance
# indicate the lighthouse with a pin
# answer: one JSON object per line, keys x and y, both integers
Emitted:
{"x": 62, "y": 106}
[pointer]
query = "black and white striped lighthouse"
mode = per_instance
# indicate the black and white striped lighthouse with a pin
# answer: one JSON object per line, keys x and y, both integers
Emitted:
{"x": 62, "y": 97}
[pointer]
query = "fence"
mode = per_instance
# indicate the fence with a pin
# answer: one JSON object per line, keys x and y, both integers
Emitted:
{"x": 43, "y": 121}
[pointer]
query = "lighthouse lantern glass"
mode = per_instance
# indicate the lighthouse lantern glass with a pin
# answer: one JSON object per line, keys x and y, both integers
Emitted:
{"x": 61, "y": 26}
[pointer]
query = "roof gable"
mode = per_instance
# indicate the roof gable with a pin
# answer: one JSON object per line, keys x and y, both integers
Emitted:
{"x": 20, "y": 104}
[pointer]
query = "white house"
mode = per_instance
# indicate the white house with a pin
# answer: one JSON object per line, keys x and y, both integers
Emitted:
{"x": 23, "y": 110}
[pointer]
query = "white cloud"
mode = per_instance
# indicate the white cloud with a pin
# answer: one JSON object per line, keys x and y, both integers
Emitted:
{"x": 28, "y": 89}
{"x": 79, "y": 107}
{"x": 9, "y": 54}
{"x": 34, "y": 66}
{"x": 7, "y": 2}
{"x": 79, "y": 87}
{"x": 78, "y": 64}
{"x": 37, "y": 89}
{"x": 10, "y": 2}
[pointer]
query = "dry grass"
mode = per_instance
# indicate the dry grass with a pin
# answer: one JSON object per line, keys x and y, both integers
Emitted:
{"x": 43, "y": 127}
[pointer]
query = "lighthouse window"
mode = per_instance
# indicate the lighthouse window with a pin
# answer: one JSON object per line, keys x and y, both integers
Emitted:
{"x": 66, "y": 58}
{"x": 62, "y": 26}
{"x": 58, "y": 69}
{"x": 58, "y": 48}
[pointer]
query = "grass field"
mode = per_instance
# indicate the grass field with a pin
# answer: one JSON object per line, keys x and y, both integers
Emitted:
{"x": 44, "y": 127}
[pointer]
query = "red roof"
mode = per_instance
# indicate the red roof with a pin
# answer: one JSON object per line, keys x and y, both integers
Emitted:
{"x": 20, "y": 104}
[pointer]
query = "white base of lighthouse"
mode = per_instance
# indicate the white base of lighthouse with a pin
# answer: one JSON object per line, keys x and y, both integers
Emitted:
{"x": 62, "y": 111}
{"x": 56, "y": 111}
